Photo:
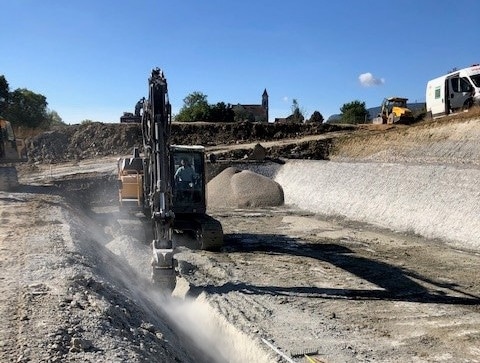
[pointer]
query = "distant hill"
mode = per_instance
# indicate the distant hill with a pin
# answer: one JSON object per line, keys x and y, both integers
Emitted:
{"x": 374, "y": 111}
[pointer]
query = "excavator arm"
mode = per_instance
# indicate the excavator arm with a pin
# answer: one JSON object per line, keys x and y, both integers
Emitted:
{"x": 156, "y": 125}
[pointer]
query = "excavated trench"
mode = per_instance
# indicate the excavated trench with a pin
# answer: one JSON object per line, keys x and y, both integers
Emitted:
{"x": 433, "y": 201}
{"x": 119, "y": 240}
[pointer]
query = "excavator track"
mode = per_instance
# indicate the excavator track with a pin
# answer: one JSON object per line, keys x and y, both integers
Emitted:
{"x": 209, "y": 233}
{"x": 201, "y": 232}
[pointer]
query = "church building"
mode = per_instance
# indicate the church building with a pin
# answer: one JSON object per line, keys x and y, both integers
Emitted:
{"x": 252, "y": 113}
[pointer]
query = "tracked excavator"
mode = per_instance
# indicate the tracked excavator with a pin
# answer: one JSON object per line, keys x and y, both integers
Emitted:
{"x": 168, "y": 184}
{"x": 12, "y": 150}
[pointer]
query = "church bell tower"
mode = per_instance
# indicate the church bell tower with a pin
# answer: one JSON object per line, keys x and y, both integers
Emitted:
{"x": 265, "y": 102}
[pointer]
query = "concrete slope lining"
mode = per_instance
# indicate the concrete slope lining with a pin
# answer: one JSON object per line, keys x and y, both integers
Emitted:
{"x": 434, "y": 201}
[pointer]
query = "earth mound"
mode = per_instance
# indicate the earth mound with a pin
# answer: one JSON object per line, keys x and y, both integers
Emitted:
{"x": 95, "y": 139}
{"x": 235, "y": 188}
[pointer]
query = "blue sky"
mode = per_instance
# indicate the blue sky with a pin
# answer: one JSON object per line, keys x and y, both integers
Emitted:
{"x": 92, "y": 58}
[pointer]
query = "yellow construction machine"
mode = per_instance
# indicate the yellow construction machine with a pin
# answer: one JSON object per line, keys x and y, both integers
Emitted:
{"x": 12, "y": 150}
{"x": 168, "y": 184}
{"x": 394, "y": 110}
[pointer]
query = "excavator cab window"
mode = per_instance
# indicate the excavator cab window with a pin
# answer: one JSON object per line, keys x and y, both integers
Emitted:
{"x": 188, "y": 177}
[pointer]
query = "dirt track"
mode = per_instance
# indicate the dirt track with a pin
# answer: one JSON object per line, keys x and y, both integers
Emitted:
{"x": 305, "y": 282}
{"x": 350, "y": 291}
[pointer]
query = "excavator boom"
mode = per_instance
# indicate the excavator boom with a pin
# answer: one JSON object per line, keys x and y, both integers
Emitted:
{"x": 156, "y": 125}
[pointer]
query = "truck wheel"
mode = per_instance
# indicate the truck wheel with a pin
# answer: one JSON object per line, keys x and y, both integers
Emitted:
{"x": 391, "y": 119}
{"x": 468, "y": 104}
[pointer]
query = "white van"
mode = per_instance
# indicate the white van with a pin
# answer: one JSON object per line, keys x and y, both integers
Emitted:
{"x": 458, "y": 90}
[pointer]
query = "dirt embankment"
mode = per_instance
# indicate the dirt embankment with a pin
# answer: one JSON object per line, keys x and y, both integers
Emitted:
{"x": 448, "y": 140}
{"x": 78, "y": 142}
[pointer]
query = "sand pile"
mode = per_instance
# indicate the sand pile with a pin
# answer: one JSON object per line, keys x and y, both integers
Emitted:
{"x": 235, "y": 188}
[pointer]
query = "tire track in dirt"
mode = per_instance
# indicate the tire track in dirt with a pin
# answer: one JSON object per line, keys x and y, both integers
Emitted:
{"x": 11, "y": 304}
{"x": 23, "y": 285}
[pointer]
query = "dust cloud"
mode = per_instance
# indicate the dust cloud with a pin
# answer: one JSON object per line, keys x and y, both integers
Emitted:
{"x": 209, "y": 329}
{"x": 193, "y": 317}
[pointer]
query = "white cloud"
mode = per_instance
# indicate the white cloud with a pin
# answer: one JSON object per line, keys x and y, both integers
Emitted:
{"x": 285, "y": 99}
{"x": 368, "y": 80}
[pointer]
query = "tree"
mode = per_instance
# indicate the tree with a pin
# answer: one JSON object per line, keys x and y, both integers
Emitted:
{"x": 52, "y": 119}
{"x": 23, "y": 107}
{"x": 316, "y": 117}
{"x": 241, "y": 115}
{"x": 4, "y": 94}
{"x": 354, "y": 113}
{"x": 26, "y": 108}
{"x": 221, "y": 113}
{"x": 195, "y": 108}
{"x": 297, "y": 114}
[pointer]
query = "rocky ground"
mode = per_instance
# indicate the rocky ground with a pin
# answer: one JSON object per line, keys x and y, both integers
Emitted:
{"x": 74, "y": 284}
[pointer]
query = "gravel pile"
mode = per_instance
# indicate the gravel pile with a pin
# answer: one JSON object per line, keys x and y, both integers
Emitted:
{"x": 235, "y": 188}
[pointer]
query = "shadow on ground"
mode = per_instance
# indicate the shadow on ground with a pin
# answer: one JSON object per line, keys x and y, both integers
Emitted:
{"x": 394, "y": 283}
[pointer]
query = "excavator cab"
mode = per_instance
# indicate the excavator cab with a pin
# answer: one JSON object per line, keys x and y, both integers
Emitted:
{"x": 188, "y": 184}
{"x": 188, "y": 163}
{"x": 192, "y": 225}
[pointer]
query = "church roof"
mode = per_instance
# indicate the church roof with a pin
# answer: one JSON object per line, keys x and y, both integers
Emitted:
{"x": 256, "y": 110}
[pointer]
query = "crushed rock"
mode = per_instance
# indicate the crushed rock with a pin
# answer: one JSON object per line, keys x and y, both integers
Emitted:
{"x": 133, "y": 252}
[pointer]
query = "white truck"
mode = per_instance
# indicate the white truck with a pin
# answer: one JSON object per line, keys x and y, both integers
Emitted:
{"x": 455, "y": 91}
